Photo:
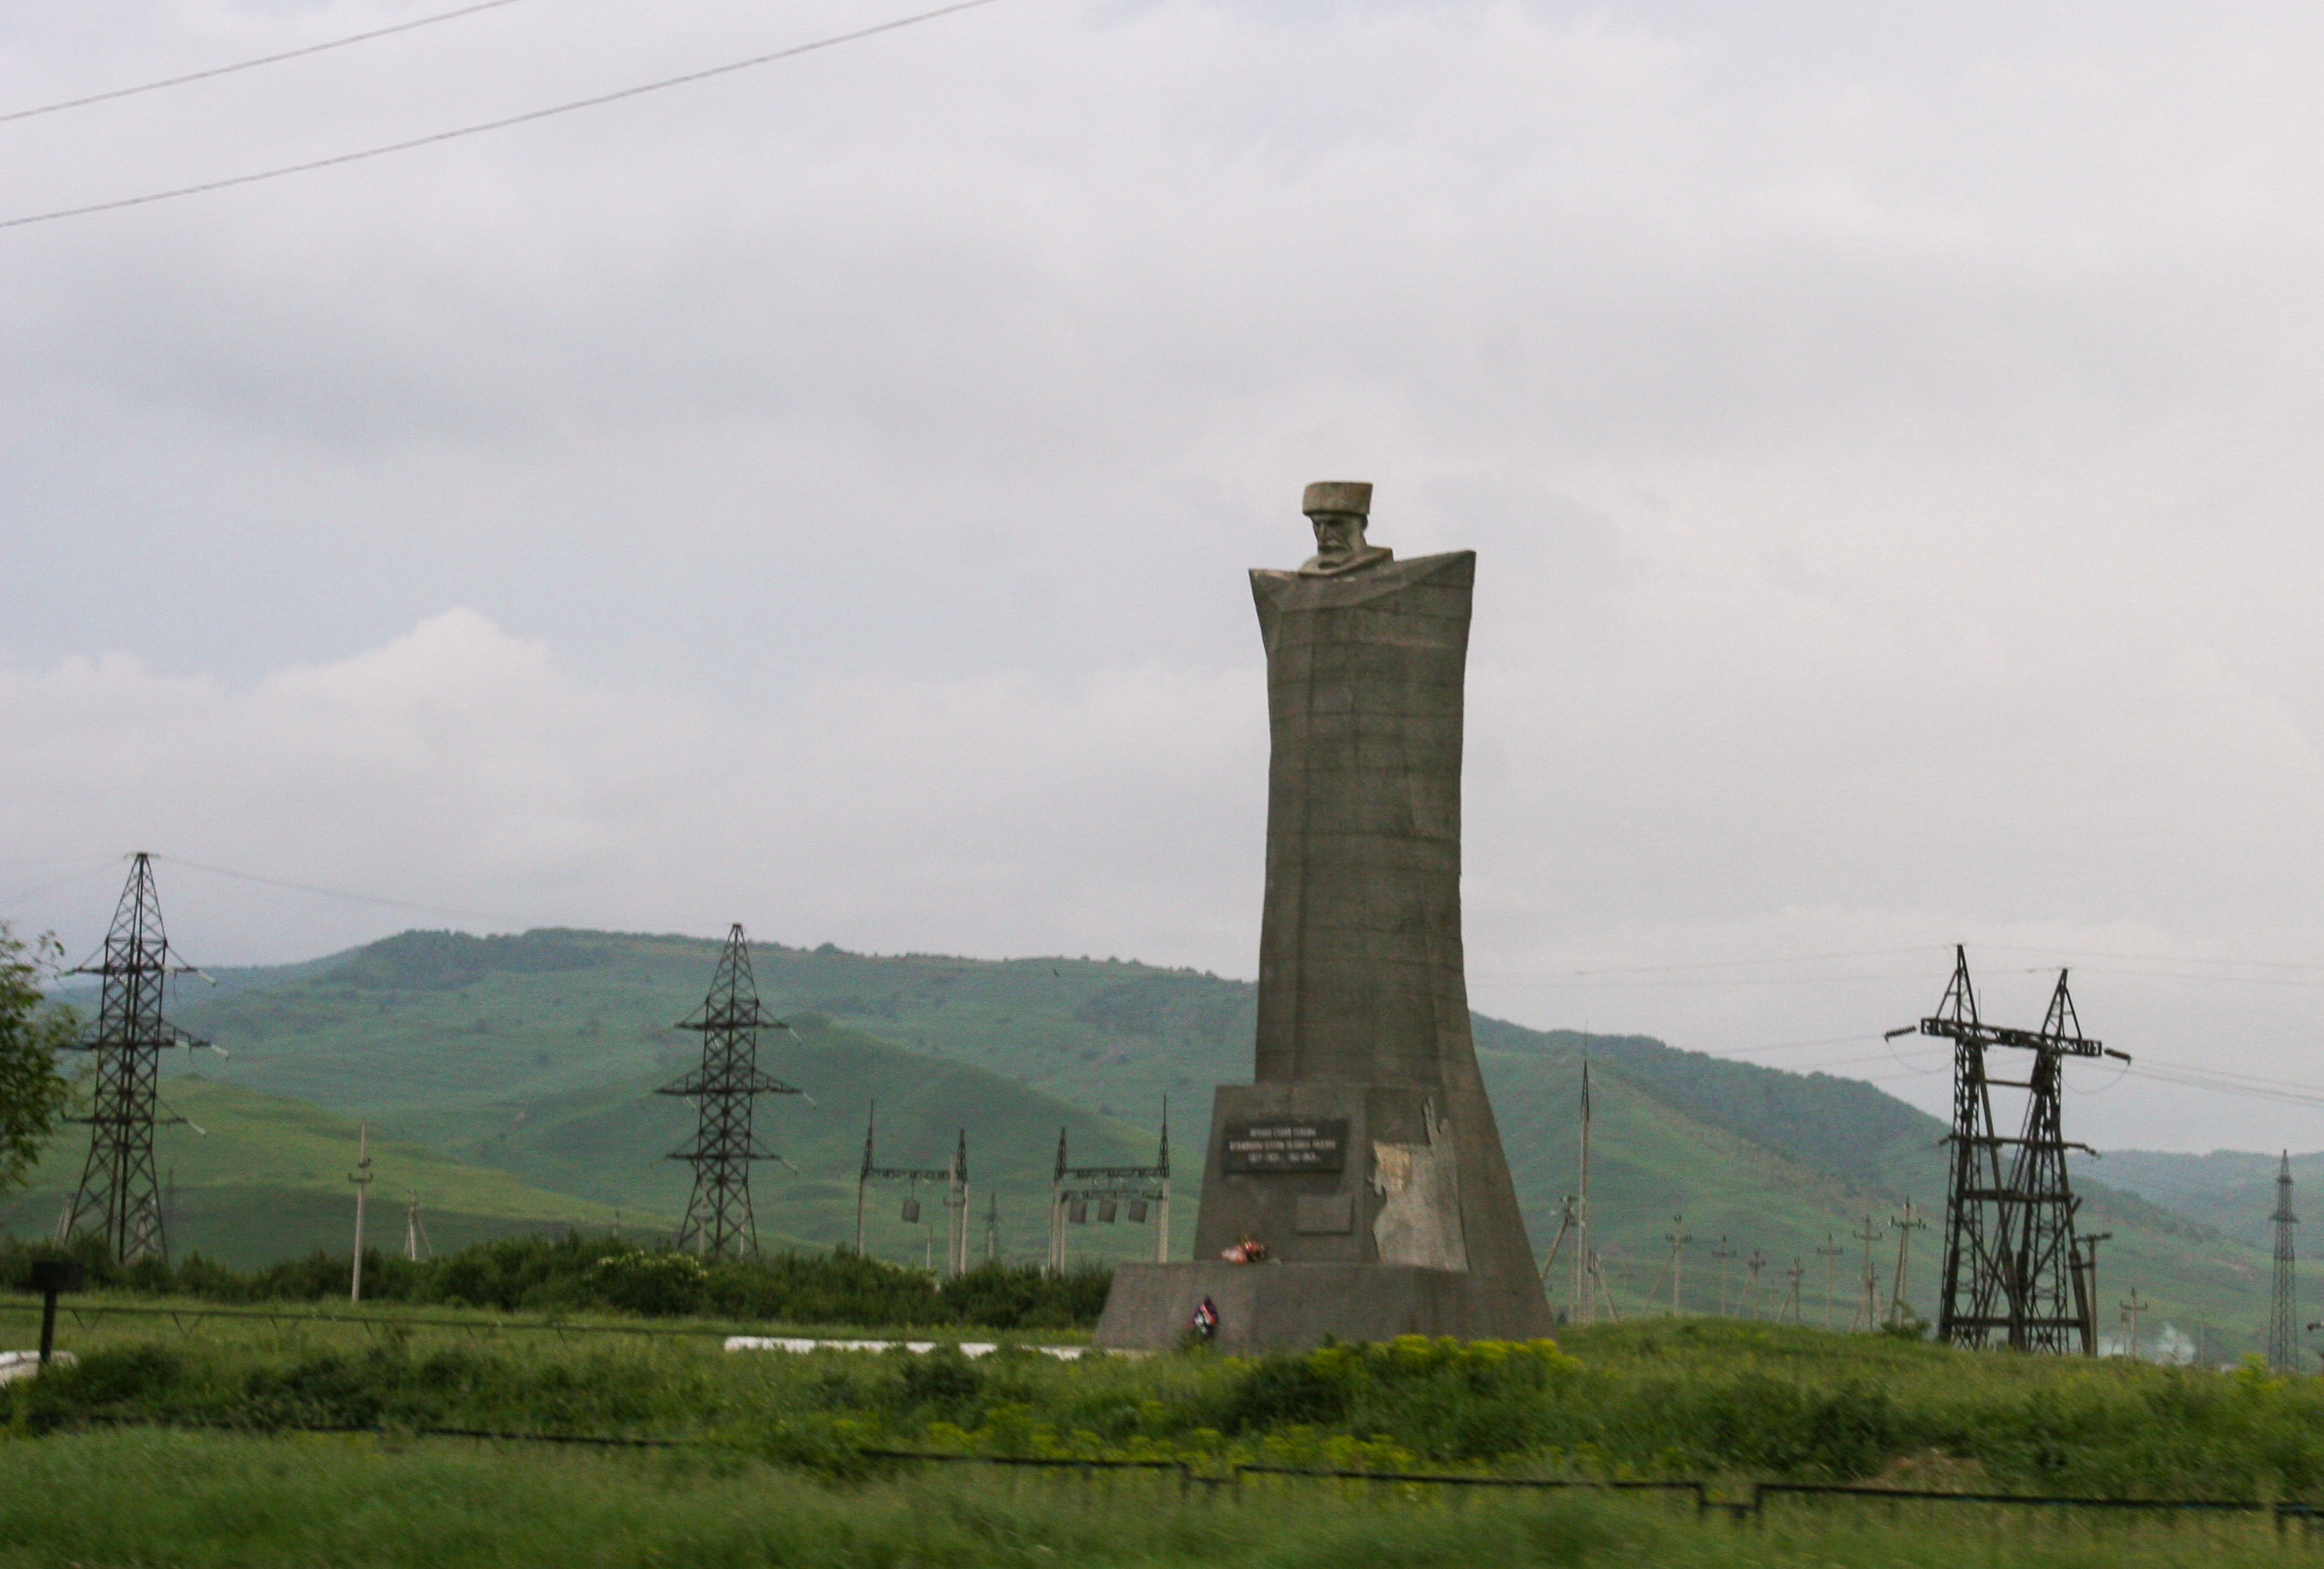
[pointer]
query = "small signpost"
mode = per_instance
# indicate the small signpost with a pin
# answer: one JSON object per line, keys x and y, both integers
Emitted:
{"x": 50, "y": 1277}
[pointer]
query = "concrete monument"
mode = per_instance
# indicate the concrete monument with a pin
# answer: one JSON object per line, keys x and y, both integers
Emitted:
{"x": 1362, "y": 1170}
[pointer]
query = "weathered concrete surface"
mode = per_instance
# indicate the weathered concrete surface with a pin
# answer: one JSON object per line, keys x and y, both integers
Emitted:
{"x": 1367, "y": 1100}
{"x": 1284, "y": 1307}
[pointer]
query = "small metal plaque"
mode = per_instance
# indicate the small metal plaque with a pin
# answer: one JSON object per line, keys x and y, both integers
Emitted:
{"x": 1288, "y": 1144}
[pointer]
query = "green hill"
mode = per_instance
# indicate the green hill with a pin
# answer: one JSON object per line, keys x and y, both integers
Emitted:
{"x": 2231, "y": 1191}
{"x": 540, "y": 1055}
{"x": 536, "y": 1055}
{"x": 251, "y": 1177}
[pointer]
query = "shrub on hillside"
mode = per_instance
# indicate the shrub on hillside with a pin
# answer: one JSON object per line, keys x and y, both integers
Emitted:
{"x": 579, "y": 1273}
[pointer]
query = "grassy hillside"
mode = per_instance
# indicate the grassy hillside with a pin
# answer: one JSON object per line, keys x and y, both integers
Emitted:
{"x": 539, "y": 1056}
{"x": 2232, "y": 1191}
{"x": 266, "y": 1175}
{"x": 536, "y": 1055}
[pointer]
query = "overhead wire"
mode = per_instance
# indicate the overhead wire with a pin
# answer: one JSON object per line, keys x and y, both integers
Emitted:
{"x": 1698, "y": 965}
{"x": 89, "y": 870}
{"x": 343, "y": 893}
{"x": 243, "y": 65}
{"x": 433, "y": 138}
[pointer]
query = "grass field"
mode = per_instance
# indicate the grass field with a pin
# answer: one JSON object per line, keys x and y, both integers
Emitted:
{"x": 100, "y": 1464}
{"x": 178, "y": 1498}
{"x": 1726, "y": 1403}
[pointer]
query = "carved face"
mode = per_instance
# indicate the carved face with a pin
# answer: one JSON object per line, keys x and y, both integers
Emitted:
{"x": 1338, "y": 535}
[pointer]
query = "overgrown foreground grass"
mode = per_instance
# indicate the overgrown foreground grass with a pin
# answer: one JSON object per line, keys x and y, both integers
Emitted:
{"x": 1725, "y": 1402}
{"x": 180, "y": 1499}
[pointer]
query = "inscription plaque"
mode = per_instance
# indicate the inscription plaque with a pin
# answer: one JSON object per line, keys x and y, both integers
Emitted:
{"x": 1288, "y": 1144}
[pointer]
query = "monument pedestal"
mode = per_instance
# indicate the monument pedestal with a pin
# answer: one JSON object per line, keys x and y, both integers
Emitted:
{"x": 1277, "y": 1306}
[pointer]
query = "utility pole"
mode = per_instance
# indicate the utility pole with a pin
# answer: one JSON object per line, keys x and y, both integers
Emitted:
{"x": 1868, "y": 1312}
{"x": 1752, "y": 1265}
{"x": 1602, "y": 1293}
{"x": 119, "y": 1194}
{"x": 718, "y": 1220}
{"x": 1795, "y": 1273}
{"x": 2131, "y": 1307}
{"x": 992, "y": 1228}
{"x": 2284, "y": 1306}
{"x": 1897, "y": 1306}
{"x": 2009, "y": 1274}
{"x": 1565, "y": 1225}
{"x": 416, "y": 1245}
{"x": 1723, "y": 1253}
{"x": 2086, "y": 1285}
{"x": 1831, "y": 1253}
{"x": 1584, "y": 1260}
{"x": 1677, "y": 1242}
{"x": 361, "y": 1178}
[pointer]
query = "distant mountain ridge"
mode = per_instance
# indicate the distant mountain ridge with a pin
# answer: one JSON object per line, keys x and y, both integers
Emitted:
{"x": 537, "y": 1053}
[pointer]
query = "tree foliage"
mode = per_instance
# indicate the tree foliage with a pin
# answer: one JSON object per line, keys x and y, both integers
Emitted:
{"x": 33, "y": 1029}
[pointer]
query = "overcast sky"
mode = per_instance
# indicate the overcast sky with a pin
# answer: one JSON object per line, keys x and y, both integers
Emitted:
{"x": 819, "y": 497}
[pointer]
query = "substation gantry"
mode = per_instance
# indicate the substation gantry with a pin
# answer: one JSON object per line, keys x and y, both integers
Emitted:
{"x": 1134, "y": 1190}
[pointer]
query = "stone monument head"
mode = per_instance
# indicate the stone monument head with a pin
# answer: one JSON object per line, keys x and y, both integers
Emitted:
{"x": 1339, "y": 508}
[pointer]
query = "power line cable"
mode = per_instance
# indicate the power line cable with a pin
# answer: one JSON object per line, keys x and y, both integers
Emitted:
{"x": 1698, "y": 965}
{"x": 243, "y": 65}
{"x": 500, "y": 124}
{"x": 342, "y": 893}
{"x": 87, "y": 871}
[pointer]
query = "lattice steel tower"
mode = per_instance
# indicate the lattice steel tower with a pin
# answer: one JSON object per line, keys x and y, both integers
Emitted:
{"x": 2284, "y": 1308}
{"x": 718, "y": 1221}
{"x": 120, "y": 1192}
{"x": 2012, "y": 1273}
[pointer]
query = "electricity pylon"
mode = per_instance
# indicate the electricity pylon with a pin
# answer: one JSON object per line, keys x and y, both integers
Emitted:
{"x": 2011, "y": 1272}
{"x": 718, "y": 1221}
{"x": 2284, "y": 1308}
{"x": 119, "y": 1193}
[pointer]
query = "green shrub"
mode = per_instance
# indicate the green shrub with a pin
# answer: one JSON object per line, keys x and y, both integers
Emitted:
{"x": 579, "y": 1272}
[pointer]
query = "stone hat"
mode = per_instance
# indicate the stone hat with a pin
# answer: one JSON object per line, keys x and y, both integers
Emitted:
{"x": 1338, "y": 496}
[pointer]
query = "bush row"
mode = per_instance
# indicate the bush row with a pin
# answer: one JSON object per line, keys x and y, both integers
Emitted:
{"x": 579, "y": 1273}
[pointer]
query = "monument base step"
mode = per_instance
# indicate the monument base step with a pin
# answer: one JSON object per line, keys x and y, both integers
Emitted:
{"x": 1283, "y": 1306}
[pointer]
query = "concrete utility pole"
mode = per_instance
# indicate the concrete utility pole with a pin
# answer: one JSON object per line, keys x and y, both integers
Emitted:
{"x": 1677, "y": 1261}
{"x": 1897, "y": 1306}
{"x": 1869, "y": 1313}
{"x": 1603, "y": 1294}
{"x": 1831, "y": 1253}
{"x": 2131, "y": 1307}
{"x": 1752, "y": 1265}
{"x": 1565, "y": 1228}
{"x": 1583, "y": 1258}
{"x": 361, "y": 1176}
{"x": 1796, "y": 1273}
{"x": 1723, "y": 1252}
